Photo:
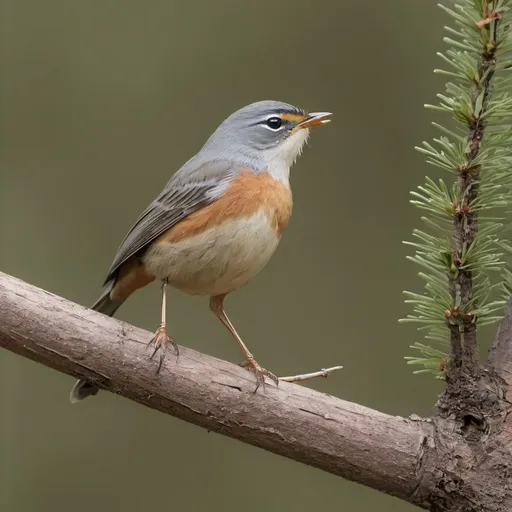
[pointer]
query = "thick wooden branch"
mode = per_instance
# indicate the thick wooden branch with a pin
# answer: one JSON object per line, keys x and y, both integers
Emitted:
{"x": 360, "y": 444}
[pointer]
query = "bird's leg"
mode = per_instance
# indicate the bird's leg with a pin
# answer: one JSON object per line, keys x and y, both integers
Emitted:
{"x": 161, "y": 338}
{"x": 217, "y": 306}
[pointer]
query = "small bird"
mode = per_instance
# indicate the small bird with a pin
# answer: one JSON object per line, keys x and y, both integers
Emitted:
{"x": 216, "y": 223}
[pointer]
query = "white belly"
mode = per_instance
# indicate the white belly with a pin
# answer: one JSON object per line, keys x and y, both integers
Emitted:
{"x": 218, "y": 260}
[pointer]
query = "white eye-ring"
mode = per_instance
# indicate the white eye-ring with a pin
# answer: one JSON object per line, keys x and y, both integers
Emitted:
{"x": 274, "y": 123}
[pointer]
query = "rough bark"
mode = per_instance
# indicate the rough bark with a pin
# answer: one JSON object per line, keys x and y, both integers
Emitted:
{"x": 459, "y": 461}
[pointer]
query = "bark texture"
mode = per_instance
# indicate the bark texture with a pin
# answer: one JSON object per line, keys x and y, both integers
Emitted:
{"x": 459, "y": 461}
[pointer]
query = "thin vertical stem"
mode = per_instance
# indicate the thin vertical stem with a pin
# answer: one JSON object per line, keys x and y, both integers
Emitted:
{"x": 464, "y": 347}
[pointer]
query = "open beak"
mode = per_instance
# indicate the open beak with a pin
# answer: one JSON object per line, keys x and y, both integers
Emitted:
{"x": 314, "y": 119}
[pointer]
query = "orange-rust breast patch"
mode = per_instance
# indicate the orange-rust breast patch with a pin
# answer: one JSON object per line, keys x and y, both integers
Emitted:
{"x": 245, "y": 196}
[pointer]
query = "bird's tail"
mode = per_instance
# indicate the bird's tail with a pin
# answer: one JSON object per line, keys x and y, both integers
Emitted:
{"x": 82, "y": 389}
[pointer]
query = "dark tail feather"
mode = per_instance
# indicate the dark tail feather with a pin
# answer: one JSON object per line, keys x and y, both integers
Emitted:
{"x": 105, "y": 304}
{"x": 82, "y": 389}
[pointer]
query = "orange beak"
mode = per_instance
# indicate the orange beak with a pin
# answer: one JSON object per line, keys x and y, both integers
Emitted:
{"x": 314, "y": 119}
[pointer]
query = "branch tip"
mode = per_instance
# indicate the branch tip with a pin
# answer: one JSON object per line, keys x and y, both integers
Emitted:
{"x": 324, "y": 372}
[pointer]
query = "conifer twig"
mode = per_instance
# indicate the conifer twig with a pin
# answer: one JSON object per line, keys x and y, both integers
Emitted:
{"x": 462, "y": 246}
{"x": 464, "y": 347}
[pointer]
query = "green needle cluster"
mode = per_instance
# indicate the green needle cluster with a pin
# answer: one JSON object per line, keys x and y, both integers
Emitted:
{"x": 461, "y": 251}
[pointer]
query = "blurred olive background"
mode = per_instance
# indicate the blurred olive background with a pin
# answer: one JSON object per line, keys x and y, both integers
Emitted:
{"x": 100, "y": 103}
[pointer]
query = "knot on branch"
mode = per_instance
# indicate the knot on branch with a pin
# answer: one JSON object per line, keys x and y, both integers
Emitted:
{"x": 473, "y": 401}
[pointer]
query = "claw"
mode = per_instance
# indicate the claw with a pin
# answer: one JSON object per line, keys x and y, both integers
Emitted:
{"x": 160, "y": 340}
{"x": 252, "y": 365}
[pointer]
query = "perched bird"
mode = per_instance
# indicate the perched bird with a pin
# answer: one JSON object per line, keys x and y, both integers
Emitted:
{"x": 217, "y": 222}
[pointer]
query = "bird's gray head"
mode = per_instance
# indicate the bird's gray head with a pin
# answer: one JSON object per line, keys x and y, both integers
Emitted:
{"x": 265, "y": 131}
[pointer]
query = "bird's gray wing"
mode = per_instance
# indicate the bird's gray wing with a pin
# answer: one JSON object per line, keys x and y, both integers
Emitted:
{"x": 194, "y": 186}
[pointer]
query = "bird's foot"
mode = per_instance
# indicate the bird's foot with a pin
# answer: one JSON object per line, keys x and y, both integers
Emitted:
{"x": 160, "y": 341}
{"x": 252, "y": 365}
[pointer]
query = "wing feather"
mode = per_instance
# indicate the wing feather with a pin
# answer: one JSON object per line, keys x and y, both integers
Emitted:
{"x": 194, "y": 186}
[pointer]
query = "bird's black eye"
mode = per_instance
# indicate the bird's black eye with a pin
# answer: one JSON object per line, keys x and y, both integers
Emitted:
{"x": 274, "y": 123}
